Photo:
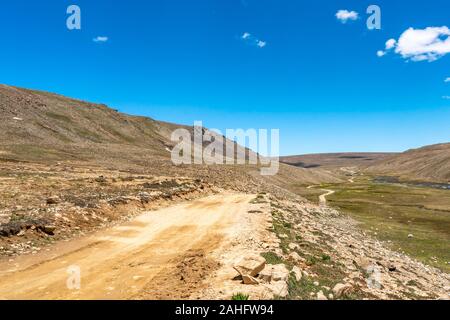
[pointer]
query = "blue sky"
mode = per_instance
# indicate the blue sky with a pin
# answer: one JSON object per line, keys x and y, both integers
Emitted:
{"x": 318, "y": 79}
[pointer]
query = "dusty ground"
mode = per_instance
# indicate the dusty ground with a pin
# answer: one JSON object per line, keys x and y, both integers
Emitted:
{"x": 139, "y": 259}
{"x": 139, "y": 235}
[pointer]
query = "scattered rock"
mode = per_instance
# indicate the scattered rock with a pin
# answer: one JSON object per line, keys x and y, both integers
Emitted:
{"x": 250, "y": 265}
{"x": 391, "y": 267}
{"x": 362, "y": 262}
{"x": 101, "y": 179}
{"x": 53, "y": 200}
{"x": 410, "y": 236}
{"x": 340, "y": 289}
{"x": 321, "y": 296}
{"x": 11, "y": 229}
{"x": 293, "y": 246}
{"x": 297, "y": 273}
{"x": 144, "y": 196}
{"x": 279, "y": 289}
{"x": 49, "y": 229}
{"x": 295, "y": 257}
{"x": 246, "y": 279}
{"x": 277, "y": 272}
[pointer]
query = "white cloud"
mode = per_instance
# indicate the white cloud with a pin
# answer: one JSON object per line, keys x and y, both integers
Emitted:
{"x": 345, "y": 15}
{"x": 447, "y": 80}
{"x": 100, "y": 39}
{"x": 261, "y": 44}
{"x": 429, "y": 44}
{"x": 250, "y": 39}
{"x": 390, "y": 44}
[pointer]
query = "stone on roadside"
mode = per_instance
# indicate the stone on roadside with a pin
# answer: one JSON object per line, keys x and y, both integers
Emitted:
{"x": 279, "y": 289}
{"x": 246, "y": 279}
{"x": 277, "y": 272}
{"x": 251, "y": 265}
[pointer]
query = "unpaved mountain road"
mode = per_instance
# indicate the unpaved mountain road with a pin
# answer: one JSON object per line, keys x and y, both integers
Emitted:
{"x": 136, "y": 260}
{"x": 323, "y": 197}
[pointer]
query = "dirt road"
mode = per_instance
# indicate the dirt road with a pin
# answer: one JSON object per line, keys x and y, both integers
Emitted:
{"x": 142, "y": 259}
{"x": 323, "y": 197}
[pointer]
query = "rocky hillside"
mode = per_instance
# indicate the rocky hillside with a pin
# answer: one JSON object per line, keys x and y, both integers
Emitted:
{"x": 48, "y": 128}
{"x": 39, "y": 125}
{"x": 430, "y": 163}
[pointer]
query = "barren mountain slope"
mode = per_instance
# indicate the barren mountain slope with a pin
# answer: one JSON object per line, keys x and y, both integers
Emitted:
{"x": 49, "y": 128}
{"x": 39, "y": 126}
{"x": 430, "y": 163}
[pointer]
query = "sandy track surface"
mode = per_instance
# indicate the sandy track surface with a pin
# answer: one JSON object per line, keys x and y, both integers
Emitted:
{"x": 136, "y": 260}
{"x": 323, "y": 197}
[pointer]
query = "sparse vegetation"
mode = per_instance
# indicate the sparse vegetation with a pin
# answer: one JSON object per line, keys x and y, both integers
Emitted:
{"x": 240, "y": 297}
{"x": 394, "y": 212}
{"x": 272, "y": 258}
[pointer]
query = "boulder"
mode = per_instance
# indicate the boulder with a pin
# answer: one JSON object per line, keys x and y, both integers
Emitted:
{"x": 279, "y": 289}
{"x": 251, "y": 265}
{"x": 297, "y": 273}
{"x": 391, "y": 267}
{"x": 362, "y": 262}
{"x": 295, "y": 257}
{"x": 53, "y": 200}
{"x": 246, "y": 279}
{"x": 277, "y": 272}
{"x": 49, "y": 229}
{"x": 101, "y": 179}
{"x": 321, "y": 296}
{"x": 340, "y": 289}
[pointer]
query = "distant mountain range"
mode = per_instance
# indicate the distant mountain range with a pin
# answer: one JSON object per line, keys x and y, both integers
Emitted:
{"x": 430, "y": 163}
{"x": 332, "y": 160}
